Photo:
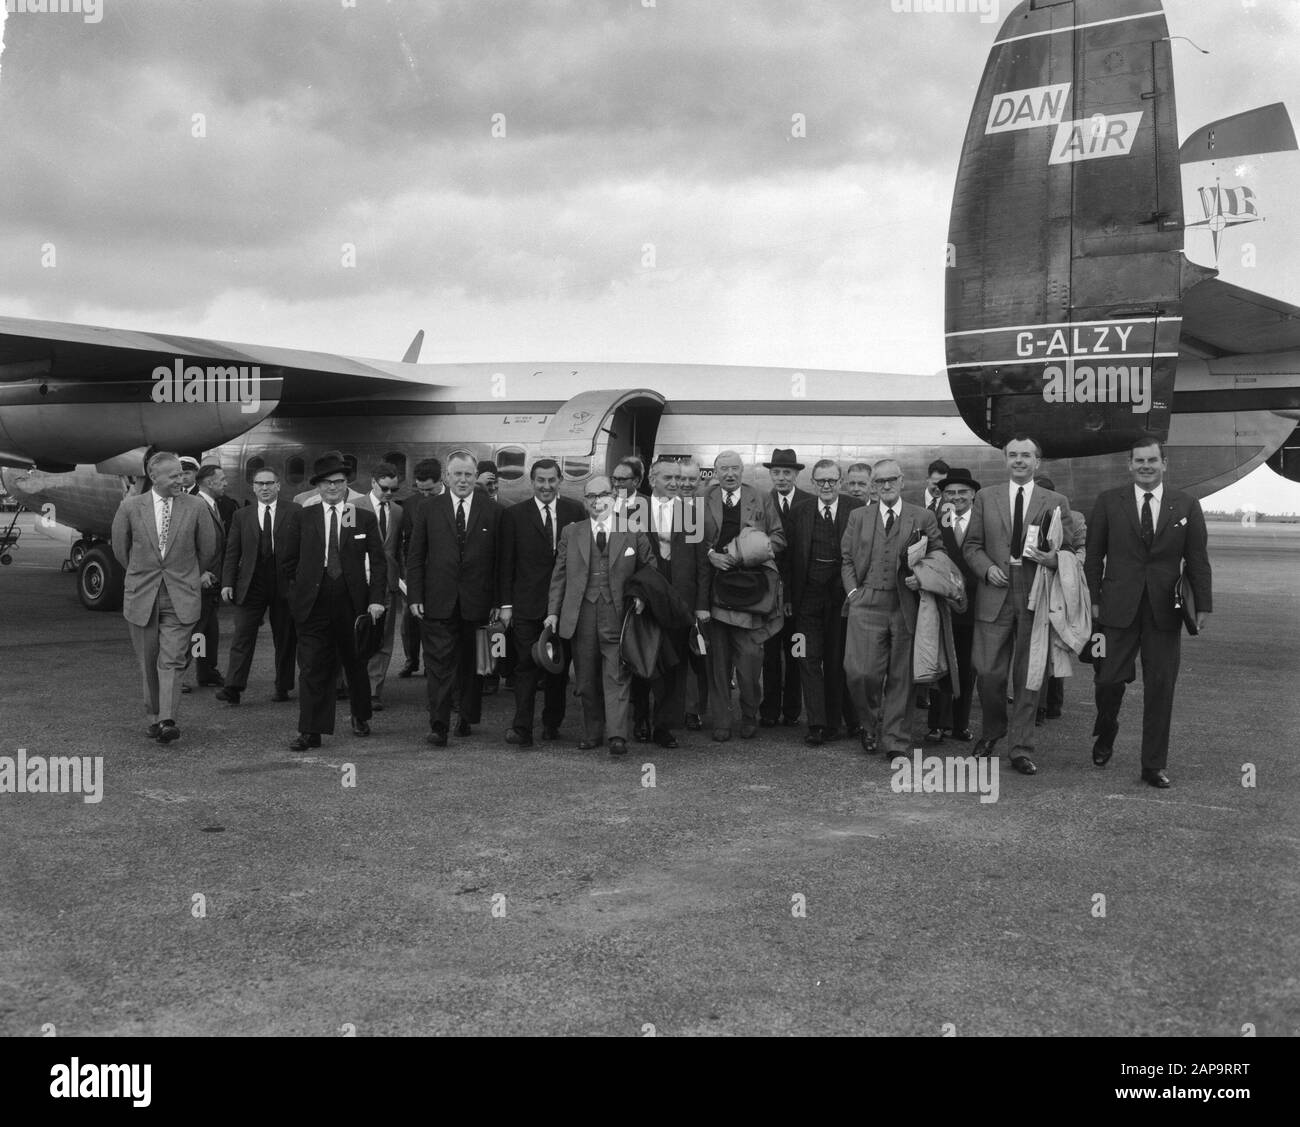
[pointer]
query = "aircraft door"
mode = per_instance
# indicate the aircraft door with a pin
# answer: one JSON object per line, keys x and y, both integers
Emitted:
{"x": 594, "y": 429}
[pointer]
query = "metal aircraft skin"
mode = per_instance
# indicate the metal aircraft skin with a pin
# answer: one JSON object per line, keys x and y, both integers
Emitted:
{"x": 1073, "y": 315}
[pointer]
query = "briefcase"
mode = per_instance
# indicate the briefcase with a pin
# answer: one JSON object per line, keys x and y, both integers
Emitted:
{"x": 1185, "y": 603}
{"x": 485, "y": 660}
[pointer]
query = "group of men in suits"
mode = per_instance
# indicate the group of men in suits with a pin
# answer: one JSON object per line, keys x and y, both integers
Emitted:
{"x": 806, "y": 602}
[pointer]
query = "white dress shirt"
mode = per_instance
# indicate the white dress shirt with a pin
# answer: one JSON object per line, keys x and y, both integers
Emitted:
{"x": 325, "y": 512}
{"x": 1157, "y": 497}
{"x": 158, "y": 505}
{"x": 262, "y": 509}
{"x": 896, "y": 508}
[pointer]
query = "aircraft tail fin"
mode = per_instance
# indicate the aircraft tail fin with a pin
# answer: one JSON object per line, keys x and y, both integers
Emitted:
{"x": 1066, "y": 270}
{"x": 413, "y": 349}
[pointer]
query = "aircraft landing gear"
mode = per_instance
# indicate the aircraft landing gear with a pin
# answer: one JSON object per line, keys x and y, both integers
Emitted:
{"x": 100, "y": 579}
{"x": 76, "y": 554}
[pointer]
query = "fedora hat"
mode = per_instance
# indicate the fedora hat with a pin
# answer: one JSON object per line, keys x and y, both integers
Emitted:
{"x": 547, "y": 652}
{"x": 331, "y": 462}
{"x": 783, "y": 460}
{"x": 959, "y": 477}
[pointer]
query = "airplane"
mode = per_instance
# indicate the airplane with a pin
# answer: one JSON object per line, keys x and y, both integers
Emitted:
{"x": 1072, "y": 314}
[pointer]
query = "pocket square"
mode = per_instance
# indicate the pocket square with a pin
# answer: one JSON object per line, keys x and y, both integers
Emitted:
{"x": 629, "y": 552}
{"x": 358, "y": 536}
{"x": 1181, "y": 522}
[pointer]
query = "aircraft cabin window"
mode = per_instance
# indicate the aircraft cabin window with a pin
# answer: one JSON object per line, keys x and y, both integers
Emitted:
{"x": 510, "y": 463}
{"x": 295, "y": 470}
{"x": 252, "y": 466}
{"x": 576, "y": 469}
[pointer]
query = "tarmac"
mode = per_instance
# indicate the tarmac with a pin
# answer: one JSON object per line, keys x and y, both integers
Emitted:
{"x": 226, "y": 886}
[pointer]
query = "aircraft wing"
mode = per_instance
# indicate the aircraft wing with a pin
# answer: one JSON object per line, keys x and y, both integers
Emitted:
{"x": 1220, "y": 319}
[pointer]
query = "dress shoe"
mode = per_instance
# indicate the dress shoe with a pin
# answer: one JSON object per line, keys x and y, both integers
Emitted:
{"x": 722, "y": 735}
{"x": 167, "y": 731}
{"x": 360, "y": 727}
{"x": 279, "y": 696}
{"x": 693, "y": 722}
{"x": 868, "y": 743}
{"x": 550, "y": 732}
{"x": 438, "y": 737}
{"x": 407, "y": 670}
{"x": 934, "y": 736}
{"x": 304, "y": 741}
{"x": 964, "y": 736}
{"x": 1039, "y": 717}
{"x": 1101, "y": 753}
{"x": 664, "y": 738}
{"x": 154, "y": 731}
{"x": 519, "y": 737}
{"x": 789, "y": 721}
{"x": 748, "y": 731}
{"x": 766, "y": 723}
{"x": 1155, "y": 778}
{"x": 1024, "y": 765}
{"x": 212, "y": 681}
{"x": 376, "y": 705}
{"x": 830, "y": 735}
{"x": 815, "y": 738}
{"x": 588, "y": 745}
{"x": 641, "y": 731}
{"x": 985, "y": 746}
{"x": 462, "y": 728}
{"x": 229, "y": 695}
{"x": 617, "y": 746}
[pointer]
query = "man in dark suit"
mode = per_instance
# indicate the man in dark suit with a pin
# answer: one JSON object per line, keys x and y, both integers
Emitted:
{"x": 815, "y": 598}
{"x": 933, "y": 496}
{"x": 596, "y": 557}
{"x": 999, "y": 550}
{"x": 882, "y": 605}
{"x": 428, "y": 483}
{"x": 682, "y": 558}
{"x": 165, "y": 540}
{"x": 211, "y": 482}
{"x": 390, "y": 517}
{"x": 1139, "y": 538}
{"x": 782, "y": 692}
{"x": 530, "y": 535}
{"x": 731, "y": 506}
{"x": 949, "y": 713}
{"x": 698, "y": 675}
{"x": 334, "y": 572}
{"x": 452, "y": 585}
{"x": 251, "y": 579}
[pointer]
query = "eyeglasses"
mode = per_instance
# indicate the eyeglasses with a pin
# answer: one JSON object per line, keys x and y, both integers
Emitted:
{"x": 597, "y": 496}
{"x": 389, "y": 488}
{"x": 335, "y": 481}
{"x": 265, "y": 484}
{"x": 822, "y": 482}
{"x": 889, "y": 480}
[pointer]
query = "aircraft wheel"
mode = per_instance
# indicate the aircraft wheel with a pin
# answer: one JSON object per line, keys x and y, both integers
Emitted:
{"x": 77, "y": 553}
{"x": 100, "y": 580}
{"x": 6, "y": 559}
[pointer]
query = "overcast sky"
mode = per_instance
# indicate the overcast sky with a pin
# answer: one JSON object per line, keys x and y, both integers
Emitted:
{"x": 647, "y": 201}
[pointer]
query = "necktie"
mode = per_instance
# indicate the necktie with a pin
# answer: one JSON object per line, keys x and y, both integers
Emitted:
{"x": 934, "y": 504}
{"x": 165, "y": 527}
{"x": 826, "y": 514}
{"x": 460, "y": 523}
{"x": 549, "y": 526}
{"x": 730, "y": 501}
{"x": 1148, "y": 525}
{"x": 1017, "y": 524}
{"x": 601, "y": 540}
{"x": 266, "y": 546}
{"x": 889, "y": 522}
{"x": 333, "y": 566}
{"x": 960, "y": 529}
{"x": 785, "y": 506}
{"x": 383, "y": 520}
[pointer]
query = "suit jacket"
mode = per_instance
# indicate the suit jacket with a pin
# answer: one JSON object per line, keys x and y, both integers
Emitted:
{"x": 439, "y": 574}
{"x": 855, "y": 548}
{"x": 757, "y": 510}
{"x": 303, "y": 562}
{"x": 689, "y": 570}
{"x": 800, "y": 534}
{"x": 953, "y": 550}
{"x": 798, "y": 499}
{"x": 1120, "y": 567}
{"x": 527, "y": 559}
{"x": 395, "y": 542}
{"x": 192, "y": 548}
{"x": 988, "y": 539}
{"x": 628, "y": 551}
{"x": 243, "y": 543}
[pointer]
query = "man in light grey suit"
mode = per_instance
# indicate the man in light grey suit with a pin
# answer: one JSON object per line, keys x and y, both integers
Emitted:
{"x": 882, "y": 607}
{"x": 384, "y": 485}
{"x": 1002, "y": 553}
{"x": 165, "y": 540}
{"x": 593, "y": 561}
